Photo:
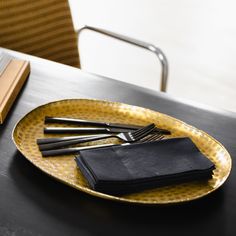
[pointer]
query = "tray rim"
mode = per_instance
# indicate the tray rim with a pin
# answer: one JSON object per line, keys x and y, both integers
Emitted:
{"x": 112, "y": 197}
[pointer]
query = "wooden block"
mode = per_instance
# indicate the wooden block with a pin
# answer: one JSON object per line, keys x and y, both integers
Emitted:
{"x": 11, "y": 82}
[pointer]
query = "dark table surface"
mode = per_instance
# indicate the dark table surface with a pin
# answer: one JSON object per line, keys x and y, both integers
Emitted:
{"x": 31, "y": 203}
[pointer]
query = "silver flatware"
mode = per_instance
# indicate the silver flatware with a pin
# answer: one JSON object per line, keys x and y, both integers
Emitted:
{"x": 59, "y": 139}
{"x": 76, "y": 150}
{"x": 65, "y": 120}
{"x": 124, "y": 136}
{"x": 82, "y": 130}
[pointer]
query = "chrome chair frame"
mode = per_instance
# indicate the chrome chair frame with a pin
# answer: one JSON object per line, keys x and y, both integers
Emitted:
{"x": 157, "y": 51}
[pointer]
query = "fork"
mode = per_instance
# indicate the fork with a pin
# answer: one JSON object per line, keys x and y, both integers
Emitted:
{"x": 76, "y": 150}
{"x": 109, "y": 130}
{"x": 131, "y": 136}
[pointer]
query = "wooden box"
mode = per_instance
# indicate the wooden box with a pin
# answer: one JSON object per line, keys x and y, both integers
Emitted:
{"x": 12, "y": 78}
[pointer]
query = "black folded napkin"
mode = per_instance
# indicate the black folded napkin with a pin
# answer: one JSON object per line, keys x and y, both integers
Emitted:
{"x": 132, "y": 168}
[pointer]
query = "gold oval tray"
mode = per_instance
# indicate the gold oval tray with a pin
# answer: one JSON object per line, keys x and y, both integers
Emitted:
{"x": 64, "y": 169}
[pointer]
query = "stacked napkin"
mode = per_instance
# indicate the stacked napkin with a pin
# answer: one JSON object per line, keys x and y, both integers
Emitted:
{"x": 132, "y": 168}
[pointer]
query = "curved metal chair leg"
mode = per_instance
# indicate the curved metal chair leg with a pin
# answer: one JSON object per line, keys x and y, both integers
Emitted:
{"x": 158, "y": 52}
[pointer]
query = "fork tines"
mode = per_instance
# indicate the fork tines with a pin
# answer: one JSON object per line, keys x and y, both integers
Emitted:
{"x": 141, "y": 132}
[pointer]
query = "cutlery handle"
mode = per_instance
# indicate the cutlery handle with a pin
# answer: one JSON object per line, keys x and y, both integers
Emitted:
{"x": 55, "y": 140}
{"x": 65, "y": 120}
{"x": 89, "y": 122}
{"x": 50, "y": 146}
{"x": 69, "y": 151}
{"x": 60, "y": 130}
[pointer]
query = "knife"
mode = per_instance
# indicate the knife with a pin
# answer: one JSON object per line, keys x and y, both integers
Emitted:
{"x": 72, "y": 130}
{"x": 99, "y": 124}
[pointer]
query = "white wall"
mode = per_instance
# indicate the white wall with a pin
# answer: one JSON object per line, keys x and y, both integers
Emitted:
{"x": 198, "y": 38}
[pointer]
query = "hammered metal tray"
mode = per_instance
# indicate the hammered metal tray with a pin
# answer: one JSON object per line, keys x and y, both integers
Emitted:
{"x": 64, "y": 168}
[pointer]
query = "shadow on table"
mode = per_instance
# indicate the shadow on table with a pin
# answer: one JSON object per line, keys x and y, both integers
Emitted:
{"x": 97, "y": 216}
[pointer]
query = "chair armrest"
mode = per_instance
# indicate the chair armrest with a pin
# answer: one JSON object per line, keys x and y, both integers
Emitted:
{"x": 158, "y": 52}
